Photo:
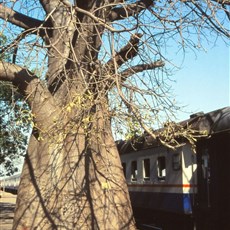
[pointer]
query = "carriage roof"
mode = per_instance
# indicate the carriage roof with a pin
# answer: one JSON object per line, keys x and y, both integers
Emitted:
{"x": 212, "y": 123}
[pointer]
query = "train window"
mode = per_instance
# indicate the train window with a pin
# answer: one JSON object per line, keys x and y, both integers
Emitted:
{"x": 124, "y": 168}
{"x": 176, "y": 161}
{"x": 161, "y": 168}
{"x": 146, "y": 169}
{"x": 134, "y": 170}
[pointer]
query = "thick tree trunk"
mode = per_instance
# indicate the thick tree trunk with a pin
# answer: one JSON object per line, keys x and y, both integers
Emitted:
{"x": 75, "y": 182}
{"x": 72, "y": 177}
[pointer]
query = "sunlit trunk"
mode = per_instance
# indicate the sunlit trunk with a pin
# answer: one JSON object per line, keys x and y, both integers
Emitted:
{"x": 74, "y": 180}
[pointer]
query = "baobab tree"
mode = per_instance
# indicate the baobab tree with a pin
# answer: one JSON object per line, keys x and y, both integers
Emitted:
{"x": 102, "y": 63}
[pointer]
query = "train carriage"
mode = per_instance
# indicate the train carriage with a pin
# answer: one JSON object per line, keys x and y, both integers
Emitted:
{"x": 11, "y": 183}
{"x": 181, "y": 185}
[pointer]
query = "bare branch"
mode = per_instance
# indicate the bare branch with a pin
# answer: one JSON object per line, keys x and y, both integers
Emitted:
{"x": 16, "y": 41}
{"x": 14, "y": 73}
{"x": 216, "y": 25}
{"x": 142, "y": 67}
{"x": 222, "y": 2}
{"x": 96, "y": 19}
{"x": 126, "y": 11}
{"x": 227, "y": 12}
{"x": 30, "y": 86}
{"x": 50, "y": 5}
{"x": 126, "y": 53}
{"x": 18, "y": 19}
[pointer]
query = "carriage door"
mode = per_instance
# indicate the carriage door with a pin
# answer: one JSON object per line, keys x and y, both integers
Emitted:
{"x": 220, "y": 179}
{"x": 204, "y": 178}
{"x": 213, "y": 174}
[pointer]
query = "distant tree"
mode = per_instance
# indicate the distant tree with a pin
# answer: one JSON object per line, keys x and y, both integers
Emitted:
{"x": 13, "y": 131}
{"x": 5, "y": 56}
{"x": 104, "y": 64}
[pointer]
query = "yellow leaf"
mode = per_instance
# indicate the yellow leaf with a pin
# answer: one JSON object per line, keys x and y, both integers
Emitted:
{"x": 105, "y": 185}
{"x": 68, "y": 108}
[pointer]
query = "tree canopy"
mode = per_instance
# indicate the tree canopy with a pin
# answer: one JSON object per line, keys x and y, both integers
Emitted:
{"x": 103, "y": 63}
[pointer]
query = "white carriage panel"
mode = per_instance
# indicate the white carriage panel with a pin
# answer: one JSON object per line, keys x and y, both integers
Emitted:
{"x": 174, "y": 178}
{"x": 128, "y": 159}
{"x": 153, "y": 154}
{"x": 147, "y": 154}
{"x": 128, "y": 169}
{"x": 189, "y": 168}
{"x": 176, "y": 181}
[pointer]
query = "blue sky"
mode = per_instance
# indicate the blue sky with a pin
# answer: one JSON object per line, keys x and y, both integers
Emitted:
{"x": 203, "y": 82}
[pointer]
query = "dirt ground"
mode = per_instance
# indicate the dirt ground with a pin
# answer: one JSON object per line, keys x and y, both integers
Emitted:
{"x": 7, "y": 205}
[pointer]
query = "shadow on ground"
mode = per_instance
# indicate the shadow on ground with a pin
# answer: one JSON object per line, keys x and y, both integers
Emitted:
{"x": 6, "y": 215}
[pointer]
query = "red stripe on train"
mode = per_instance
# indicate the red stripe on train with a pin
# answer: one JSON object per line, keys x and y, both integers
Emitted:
{"x": 164, "y": 185}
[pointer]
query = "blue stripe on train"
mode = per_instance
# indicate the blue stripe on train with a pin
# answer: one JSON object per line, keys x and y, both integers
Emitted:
{"x": 167, "y": 202}
{"x": 187, "y": 203}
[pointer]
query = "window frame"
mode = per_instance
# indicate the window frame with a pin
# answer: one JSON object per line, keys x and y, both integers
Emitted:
{"x": 124, "y": 166}
{"x": 176, "y": 161}
{"x": 146, "y": 167}
{"x": 134, "y": 171}
{"x": 161, "y": 168}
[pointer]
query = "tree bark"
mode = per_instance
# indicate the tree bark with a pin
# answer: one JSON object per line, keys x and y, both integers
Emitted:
{"x": 76, "y": 184}
{"x": 72, "y": 177}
